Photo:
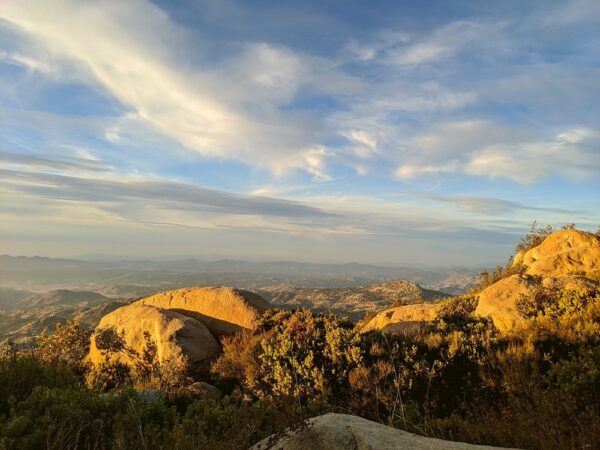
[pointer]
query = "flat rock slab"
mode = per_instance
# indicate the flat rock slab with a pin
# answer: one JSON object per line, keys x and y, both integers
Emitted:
{"x": 346, "y": 432}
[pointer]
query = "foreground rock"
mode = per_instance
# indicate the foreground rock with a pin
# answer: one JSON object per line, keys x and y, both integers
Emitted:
{"x": 345, "y": 432}
{"x": 177, "y": 337}
{"x": 223, "y": 310}
{"x": 403, "y": 319}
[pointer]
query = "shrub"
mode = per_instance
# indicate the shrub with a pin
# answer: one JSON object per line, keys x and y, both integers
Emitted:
{"x": 554, "y": 302}
{"x": 536, "y": 235}
{"x": 21, "y": 374}
{"x": 458, "y": 308}
{"x": 488, "y": 278}
{"x": 69, "y": 345}
{"x": 292, "y": 354}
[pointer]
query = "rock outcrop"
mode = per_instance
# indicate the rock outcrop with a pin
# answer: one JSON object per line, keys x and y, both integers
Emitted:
{"x": 223, "y": 310}
{"x": 403, "y": 319}
{"x": 184, "y": 324}
{"x": 176, "y": 336}
{"x": 566, "y": 258}
{"x": 346, "y": 432}
{"x": 498, "y": 301}
{"x": 565, "y": 252}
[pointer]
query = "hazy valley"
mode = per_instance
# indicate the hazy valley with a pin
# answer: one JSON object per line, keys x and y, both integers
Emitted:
{"x": 38, "y": 292}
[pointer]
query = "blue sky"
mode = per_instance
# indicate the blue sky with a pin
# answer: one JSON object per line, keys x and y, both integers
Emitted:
{"x": 387, "y": 132}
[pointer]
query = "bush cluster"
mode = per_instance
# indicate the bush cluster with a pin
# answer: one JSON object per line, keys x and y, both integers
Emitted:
{"x": 459, "y": 379}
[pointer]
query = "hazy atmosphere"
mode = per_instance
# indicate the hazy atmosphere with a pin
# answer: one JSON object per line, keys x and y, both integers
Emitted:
{"x": 292, "y": 225}
{"x": 314, "y": 131}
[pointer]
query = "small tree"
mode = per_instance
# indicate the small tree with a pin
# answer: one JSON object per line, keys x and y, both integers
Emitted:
{"x": 537, "y": 234}
{"x": 69, "y": 345}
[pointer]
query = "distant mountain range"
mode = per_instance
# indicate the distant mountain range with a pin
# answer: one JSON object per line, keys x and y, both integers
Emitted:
{"x": 142, "y": 277}
{"x": 39, "y": 292}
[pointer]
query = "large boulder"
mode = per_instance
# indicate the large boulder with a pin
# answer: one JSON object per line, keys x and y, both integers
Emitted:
{"x": 403, "y": 319}
{"x": 565, "y": 259}
{"x": 177, "y": 337}
{"x": 223, "y": 310}
{"x": 565, "y": 252}
{"x": 498, "y": 301}
{"x": 346, "y": 432}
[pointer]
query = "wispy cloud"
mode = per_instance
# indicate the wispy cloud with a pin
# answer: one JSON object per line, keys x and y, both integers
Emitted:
{"x": 171, "y": 114}
{"x": 489, "y": 205}
{"x": 168, "y": 194}
{"x": 491, "y": 150}
{"x": 117, "y": 46}
{"x": 69, "y": 164}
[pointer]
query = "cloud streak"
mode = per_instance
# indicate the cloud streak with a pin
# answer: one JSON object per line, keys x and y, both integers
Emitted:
{"x": 116, "y": 45}
{"x": 489, "y": 205}
{"x": 169, "y": 194}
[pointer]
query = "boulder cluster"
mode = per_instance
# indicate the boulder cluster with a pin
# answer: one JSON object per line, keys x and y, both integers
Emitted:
{"x": 185, "y": 325}
{"x": 566, "y": 258}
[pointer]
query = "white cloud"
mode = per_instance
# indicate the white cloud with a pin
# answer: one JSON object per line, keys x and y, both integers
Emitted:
{"x": 118, "y": 46}
{"x": 572, "y": 153}
{"x": 489, "y": 205}
{"x": 29, "y": 62}
{"x": 410, "y": 171}
{"x": 446, "y": 42}
{"x": 486, "y": 149}
{"x": 574, "y": 12}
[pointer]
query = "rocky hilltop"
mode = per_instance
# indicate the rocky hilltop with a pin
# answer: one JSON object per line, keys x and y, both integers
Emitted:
{"x": 566, "y": 258}
{"x": 353, "y": 302}
{"x": 184, "y": 324}
{"x": 565, "y": 252}
{"x": 346, "y": 432}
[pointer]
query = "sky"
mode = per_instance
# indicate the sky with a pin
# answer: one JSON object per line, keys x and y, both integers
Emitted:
{"x": 388, "y": 132}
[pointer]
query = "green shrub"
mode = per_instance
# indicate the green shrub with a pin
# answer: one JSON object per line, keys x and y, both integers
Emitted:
{"x": 536, "y": 235}
{"x": 488, "y": 278}
{"x": 292, "y": 354}
{"x": 554, "y": 302}
{"x": 20, "y": 375}
{"x": 68, "y": 345}
{"x": 458, "y": 308}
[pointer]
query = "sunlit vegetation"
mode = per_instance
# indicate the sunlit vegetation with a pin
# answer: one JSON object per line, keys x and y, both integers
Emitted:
{"x": 536, "y": 235}
{"x": 537, "y": 387}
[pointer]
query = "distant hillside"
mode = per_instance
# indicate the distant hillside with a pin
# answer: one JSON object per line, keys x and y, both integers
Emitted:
{"x": 89, "y": 318}
{"x": 62, "y": 297}
{"x": 24, "y": 318}
{"x": 9, "y": 297}
{"x": 353, "y": 302}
